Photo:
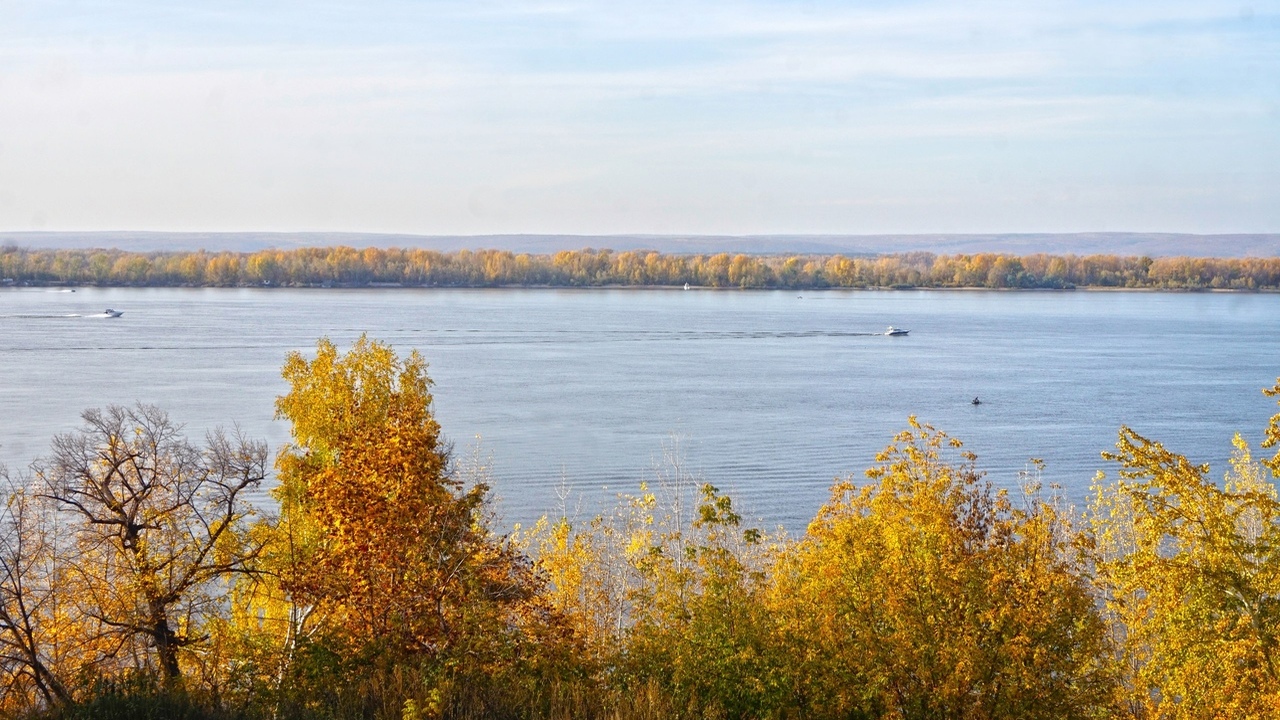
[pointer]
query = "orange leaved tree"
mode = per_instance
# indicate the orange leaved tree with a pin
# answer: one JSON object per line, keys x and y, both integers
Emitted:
{"x": 390, "y": 554}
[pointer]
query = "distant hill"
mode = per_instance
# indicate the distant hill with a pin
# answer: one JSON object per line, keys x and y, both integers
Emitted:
{"x": 1110, "y": 243}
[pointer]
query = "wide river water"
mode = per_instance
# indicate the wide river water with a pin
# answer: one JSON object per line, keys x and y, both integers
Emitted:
{"x": 768, "y": 395}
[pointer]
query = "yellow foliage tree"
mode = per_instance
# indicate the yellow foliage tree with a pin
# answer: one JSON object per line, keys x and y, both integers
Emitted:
{"x": 390, "y": 554}
{"x": 701, "y": 628}
{"x": 38, "y": 653}
{"x": 926, "y": 594}
{"x": 150, "y": 531}
{"x": 665, "y": 596}
{"x": 1191, "y": 577}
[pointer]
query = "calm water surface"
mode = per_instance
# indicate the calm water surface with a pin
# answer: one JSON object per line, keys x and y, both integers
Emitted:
{"x": 770, "y": 395}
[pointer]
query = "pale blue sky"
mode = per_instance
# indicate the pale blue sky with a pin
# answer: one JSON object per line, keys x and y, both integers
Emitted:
{"x": 653, "y": 117}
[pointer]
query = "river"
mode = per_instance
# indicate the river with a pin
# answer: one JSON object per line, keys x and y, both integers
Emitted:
{"x": 576, "y": 395}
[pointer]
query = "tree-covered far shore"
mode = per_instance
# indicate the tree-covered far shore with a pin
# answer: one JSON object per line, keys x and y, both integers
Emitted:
{"x": 379, "y": 267}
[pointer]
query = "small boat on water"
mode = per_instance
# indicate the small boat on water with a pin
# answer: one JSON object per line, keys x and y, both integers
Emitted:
{"x": 895, "y": 331}
{"x": 112, "y": 313}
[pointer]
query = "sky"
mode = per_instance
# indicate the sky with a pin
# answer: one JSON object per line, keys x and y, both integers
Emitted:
{"x": 649, "y": 116}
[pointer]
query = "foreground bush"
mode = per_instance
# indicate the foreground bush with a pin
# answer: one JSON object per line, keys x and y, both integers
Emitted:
{"x": 927, "y": 594}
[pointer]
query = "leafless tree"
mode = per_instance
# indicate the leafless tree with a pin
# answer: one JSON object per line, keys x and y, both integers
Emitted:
{"x": 27, "y": 602}
{"x": 156, "y": 525}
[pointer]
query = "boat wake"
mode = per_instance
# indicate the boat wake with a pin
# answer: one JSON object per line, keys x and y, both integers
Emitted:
{"x": 58, "y": 316}
{"x": 471, "y": 337}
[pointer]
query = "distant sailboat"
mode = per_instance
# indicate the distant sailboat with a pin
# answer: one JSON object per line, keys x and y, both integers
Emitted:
{"x": 686, "y": 286}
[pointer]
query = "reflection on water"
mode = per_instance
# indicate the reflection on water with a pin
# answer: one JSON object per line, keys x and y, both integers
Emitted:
{"x": 771, "y": 396}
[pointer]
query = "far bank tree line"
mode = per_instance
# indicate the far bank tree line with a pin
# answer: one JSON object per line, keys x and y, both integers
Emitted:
{"x": 137, "y": 581}
{"x": 351, "y": 267}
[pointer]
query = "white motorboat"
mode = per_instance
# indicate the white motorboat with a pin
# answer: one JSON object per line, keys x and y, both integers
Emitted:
{"x": 895, "y": 331}
{"x": 112, "y": 313}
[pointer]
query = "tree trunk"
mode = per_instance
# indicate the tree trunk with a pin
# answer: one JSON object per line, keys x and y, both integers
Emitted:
{"x": 166, "y": 645}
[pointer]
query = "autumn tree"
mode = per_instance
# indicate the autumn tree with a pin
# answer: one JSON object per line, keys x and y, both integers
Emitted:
{"x": 1190, "y": 573}
{"x": 153, "y": 528}
{"x": 926, "y": 593}
{"x": 391, "y": 553}
{"x": 701, "y": 627}
{"x": 32, "y": 674}
{"x": 665, "y": 593}
{"x": 588, "y": 267}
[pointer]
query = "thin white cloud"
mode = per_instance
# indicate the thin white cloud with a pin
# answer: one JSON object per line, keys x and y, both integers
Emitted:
{"x": 613, "y": 117}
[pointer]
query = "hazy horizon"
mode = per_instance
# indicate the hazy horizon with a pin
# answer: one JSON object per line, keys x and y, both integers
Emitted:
{"x": 1133, "y": 244}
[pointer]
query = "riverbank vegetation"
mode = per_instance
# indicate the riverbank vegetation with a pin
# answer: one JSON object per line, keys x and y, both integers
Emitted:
{"x": 351, "y": 267}
{"x": 137, "y": 581}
